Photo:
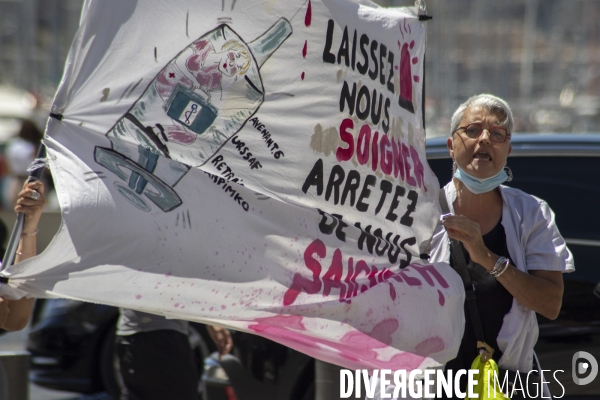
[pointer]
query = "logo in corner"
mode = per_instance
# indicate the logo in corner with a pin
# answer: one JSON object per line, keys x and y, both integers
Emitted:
{"x": 584, "y": 364}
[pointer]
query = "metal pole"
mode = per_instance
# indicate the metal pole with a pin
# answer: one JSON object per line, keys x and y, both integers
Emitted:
{"x": 13, "y": 242}
{"x": 14, "y": 371}
{"x": 527, "y": 53}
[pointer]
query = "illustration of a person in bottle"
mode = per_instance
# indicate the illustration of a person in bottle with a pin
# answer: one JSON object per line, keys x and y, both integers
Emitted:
{"x": 202, "y": 97}
{"x": 188, "y": 111}
{"x": 203, "y": 71}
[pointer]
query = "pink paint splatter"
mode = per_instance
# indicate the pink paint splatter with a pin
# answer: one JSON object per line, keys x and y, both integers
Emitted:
{"x": 382, "y": 332}
{"x": 308, "y": 16}
{"x": 287, "y": 321}
{"x": 138, "y": 296}
{"x": 392, "y": 291}
{"x": 356, "y": 349}
{"x": 431, "y": 345}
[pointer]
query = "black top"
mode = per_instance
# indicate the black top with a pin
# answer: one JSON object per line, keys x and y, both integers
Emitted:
{"x": 493, "y": 303}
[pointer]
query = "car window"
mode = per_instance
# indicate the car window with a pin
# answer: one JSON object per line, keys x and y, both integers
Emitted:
{"x": 564, "y": 182}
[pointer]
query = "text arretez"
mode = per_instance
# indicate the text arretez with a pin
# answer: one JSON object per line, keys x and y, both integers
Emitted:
{"x": 351, "y": 188}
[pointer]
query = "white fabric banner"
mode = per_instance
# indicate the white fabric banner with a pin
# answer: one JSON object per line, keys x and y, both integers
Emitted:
{"x": 260, "y": 165}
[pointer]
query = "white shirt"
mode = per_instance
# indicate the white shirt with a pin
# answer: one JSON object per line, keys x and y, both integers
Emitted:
{"x": 534, "y": 243}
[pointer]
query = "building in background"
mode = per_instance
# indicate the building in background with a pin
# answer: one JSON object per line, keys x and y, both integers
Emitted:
{"x": 35, "y": 36}
{"x": 541, "y": 56}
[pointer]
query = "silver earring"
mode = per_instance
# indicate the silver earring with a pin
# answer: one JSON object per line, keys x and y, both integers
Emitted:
{"x": 454, "y": 166}
{"x": 509, "y": 173}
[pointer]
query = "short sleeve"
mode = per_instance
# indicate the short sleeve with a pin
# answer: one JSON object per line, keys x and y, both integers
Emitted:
{"x": 439, "y": 245}
{"x": 545, "y": 248}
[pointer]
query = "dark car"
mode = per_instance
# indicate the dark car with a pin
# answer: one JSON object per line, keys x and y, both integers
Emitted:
{"x": 70, "y": 343}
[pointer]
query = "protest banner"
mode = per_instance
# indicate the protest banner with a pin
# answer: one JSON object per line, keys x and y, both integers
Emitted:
{"x": 259, "y": 166}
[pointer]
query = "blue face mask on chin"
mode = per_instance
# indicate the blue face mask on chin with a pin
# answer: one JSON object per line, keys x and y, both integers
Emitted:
{"x": 479, "y": 186}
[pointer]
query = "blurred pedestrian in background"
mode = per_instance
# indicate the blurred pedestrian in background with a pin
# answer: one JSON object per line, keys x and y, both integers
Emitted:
{"x": 18, "y": 154}
{"x": 154, "y": 358}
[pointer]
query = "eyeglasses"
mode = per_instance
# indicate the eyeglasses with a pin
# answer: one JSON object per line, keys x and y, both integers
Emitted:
{"x": 474, "y": 130}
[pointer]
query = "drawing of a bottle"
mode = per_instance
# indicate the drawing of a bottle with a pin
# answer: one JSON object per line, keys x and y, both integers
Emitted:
{"x": 199, "y": 100}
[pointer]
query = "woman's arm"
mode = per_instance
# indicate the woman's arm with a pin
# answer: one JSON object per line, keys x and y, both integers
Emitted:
{"x": 18, "y": 311}
{"x": 221, "y": 337}
{"x": 538, "y": 290}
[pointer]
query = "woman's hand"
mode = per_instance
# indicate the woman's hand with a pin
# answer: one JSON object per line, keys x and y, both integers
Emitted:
{"x": 14, "y": 314}
{"x": 221, "y": 337}
{"x": 468, "y": 232}
{"x": 31, "y": 202}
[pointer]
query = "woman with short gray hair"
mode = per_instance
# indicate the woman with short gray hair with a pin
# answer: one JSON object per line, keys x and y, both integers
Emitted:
{"x": 513, "y": 254}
